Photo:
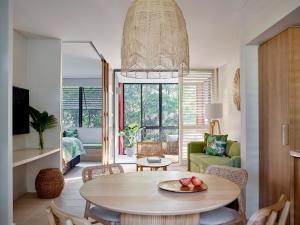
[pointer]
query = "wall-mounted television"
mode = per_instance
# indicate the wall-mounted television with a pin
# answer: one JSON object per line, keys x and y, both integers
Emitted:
{"x": 20, "y": 111}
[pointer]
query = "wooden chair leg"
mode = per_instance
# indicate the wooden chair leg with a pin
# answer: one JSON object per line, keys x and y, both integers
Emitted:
{"x": 87, "y": 207}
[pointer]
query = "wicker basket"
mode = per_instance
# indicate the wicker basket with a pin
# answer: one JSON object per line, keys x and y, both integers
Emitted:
{"x": 49, "y": 183}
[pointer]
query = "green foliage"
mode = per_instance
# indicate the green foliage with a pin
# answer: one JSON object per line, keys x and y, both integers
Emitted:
{"x": 91, "y": 107}
{"x": 41, "y": 120}
{"x": 147, "y": 97}
{"x": 130, "y": 133}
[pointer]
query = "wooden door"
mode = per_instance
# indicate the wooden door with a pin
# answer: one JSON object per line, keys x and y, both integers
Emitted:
{"x": 294, "y": 38}
{"x": 274, "y": 74}
{"x": 105, "y": 113}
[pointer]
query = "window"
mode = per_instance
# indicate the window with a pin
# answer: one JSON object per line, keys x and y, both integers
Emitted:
{"x": 82, "y": 107}
{"x": 198, "y": 88}
{"x": 154, "y": 107}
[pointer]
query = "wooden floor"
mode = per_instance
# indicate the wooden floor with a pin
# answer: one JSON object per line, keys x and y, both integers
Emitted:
{"x": 30, "y": 210}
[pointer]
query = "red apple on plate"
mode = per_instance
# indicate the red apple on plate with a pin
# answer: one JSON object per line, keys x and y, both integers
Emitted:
{"x": 196, "y": 181}
{"x": 185, "y": 181}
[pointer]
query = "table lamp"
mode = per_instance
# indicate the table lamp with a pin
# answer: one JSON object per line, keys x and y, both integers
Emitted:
{"x": 214, "y": 112}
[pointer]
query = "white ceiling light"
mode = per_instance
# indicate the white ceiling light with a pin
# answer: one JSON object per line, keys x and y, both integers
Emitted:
{"x": 154, "y": 39}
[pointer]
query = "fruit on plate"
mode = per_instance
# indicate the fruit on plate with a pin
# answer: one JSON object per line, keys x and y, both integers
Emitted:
{"x": 185, "y": 181}
{"x": 196, "y": 181}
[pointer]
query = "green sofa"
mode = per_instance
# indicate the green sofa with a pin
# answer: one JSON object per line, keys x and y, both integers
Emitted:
{"x": 198, "y": 161}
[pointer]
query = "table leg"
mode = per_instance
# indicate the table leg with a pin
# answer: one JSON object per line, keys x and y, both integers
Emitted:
{"x": 137, "y": 168}
{"x": 141, "y": 168}
{"x": 130, "y": 219}
{"x": 165, "y": 168}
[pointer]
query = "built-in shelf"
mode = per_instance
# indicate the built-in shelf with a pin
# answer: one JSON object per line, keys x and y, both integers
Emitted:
{"x": 23, "y": 156}
{"x": 295, "y": 153}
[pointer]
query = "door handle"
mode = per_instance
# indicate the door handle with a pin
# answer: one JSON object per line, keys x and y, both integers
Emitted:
{"x": 285, "y": 134}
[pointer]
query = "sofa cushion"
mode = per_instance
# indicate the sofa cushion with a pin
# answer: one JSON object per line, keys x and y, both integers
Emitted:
{"x": 200, "y": 161}
{"x": 234, "y": 150}
{"x": 198, "y": 158}
{"x": 205, "y": 142}
{"x": 216, "y": 145}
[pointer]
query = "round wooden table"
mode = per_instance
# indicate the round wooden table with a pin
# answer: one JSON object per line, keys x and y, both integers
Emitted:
{"x": 143, "y": 162}
{"x": 139, "y": 200}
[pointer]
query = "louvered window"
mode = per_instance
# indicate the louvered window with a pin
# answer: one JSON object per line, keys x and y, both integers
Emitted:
{"x": 197, "y": 89}
{"x": 82, "y": 107}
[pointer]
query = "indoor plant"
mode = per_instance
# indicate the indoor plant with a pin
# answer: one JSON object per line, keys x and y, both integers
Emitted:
{"x": 40, "y": 122}
{"x": 130, "y": 133}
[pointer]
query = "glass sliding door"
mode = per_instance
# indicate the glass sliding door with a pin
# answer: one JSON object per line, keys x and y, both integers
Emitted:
{"x": 132, "y": 104}
{"x": 152, "y": 106}
{"x": 150, "y": 112}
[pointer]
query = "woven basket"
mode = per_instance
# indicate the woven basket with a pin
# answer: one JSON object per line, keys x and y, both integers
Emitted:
{"x": 49, "y": 183}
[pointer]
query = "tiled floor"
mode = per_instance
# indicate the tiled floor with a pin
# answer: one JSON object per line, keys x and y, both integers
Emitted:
{"x": 30, "y": 210}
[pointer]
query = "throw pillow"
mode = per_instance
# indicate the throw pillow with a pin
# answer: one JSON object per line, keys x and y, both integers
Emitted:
{"x": 205, "y": 142}
{"x": 216, "y": 145}
{"x": 71, "y": 133}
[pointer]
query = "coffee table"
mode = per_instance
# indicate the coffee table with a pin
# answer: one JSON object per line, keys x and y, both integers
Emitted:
{"x": 143, "y": 162}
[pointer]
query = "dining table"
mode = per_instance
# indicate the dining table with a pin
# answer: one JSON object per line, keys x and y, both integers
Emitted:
{"x": 140, "y": 201}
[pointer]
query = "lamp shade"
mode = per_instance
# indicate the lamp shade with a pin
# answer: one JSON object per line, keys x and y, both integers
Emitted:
{"x": 213, "y": 111}
{"x": 154, "y": 39}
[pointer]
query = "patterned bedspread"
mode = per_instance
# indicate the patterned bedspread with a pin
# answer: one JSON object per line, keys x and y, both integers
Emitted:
{"x": 72, "y": 147}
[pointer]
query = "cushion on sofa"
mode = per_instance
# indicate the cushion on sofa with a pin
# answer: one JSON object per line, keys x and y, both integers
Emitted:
{"x": 234, "y": 149}
{"x": 216, "y": 145}
{"x": 200, "y": 161}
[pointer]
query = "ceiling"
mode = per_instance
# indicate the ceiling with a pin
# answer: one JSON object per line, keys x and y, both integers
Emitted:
{"x": 80, "y": 60}
{"x": 213, "y": 25}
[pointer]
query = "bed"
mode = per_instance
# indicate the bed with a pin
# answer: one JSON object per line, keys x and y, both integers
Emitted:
{"x": 72, "y": 149}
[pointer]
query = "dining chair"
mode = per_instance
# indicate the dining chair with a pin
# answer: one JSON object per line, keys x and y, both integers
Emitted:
{"x": 149, "y": 148}
{"x": 57, "y": 217}
{"x": 226, "y": 215}
{"x": 99, "y": 214}
{"x": 271, "y": 215}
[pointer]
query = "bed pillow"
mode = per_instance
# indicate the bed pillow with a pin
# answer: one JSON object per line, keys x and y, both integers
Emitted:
{"x": 71, "y": 133}
{"x": 216, "y": 145}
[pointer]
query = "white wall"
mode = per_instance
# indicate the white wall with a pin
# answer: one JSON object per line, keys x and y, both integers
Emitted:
{"x": 44, "y": 81}
{"x": 231, "y": 121}
{"x": 37, "y": 67}
{"x": 6, "y": 112}
{"x": 19, "y": 76}
{"x": 257, "y": 17}
{"x": 82, "y": 82}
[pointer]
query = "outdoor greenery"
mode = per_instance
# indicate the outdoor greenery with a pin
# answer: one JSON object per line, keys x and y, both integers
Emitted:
{"x": 142, "y": 106}
{"x": 130, "y": 134}
{"x": 91, "y": 104}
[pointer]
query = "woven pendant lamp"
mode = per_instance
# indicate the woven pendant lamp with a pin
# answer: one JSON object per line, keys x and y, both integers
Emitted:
{"x": 154, "y": 39}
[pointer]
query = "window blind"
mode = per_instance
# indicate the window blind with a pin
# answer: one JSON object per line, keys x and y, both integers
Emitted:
{"x": 92, "y": 98}
{"x": 197, "y": 89}
{"x": 71, "y": 98}
{"x": 82, "y": 106}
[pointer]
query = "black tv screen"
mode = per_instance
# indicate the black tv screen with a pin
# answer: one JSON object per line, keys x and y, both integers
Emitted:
{"x": 20, "y": 111}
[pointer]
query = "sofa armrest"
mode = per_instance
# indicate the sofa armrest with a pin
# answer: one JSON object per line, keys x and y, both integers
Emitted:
{"x": 194, "y": 147}
{"x": 235, "y": 161}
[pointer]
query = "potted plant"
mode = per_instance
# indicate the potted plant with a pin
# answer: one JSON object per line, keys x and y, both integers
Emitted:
{"x": 130, "y": 133}
{"x": 40, "y": 122}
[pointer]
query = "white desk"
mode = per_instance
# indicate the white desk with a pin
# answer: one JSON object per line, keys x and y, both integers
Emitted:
{"x": 24, "y": 156}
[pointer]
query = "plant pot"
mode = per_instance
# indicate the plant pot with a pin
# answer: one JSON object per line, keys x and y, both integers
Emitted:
{"x": 130, "y": 151}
